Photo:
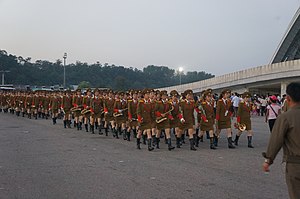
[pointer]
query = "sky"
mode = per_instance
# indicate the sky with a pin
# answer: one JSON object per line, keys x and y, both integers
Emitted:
{"x": 215, "y": 36}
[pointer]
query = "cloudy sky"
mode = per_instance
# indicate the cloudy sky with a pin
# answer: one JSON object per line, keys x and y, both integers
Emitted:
{"x": 215, "y": 36}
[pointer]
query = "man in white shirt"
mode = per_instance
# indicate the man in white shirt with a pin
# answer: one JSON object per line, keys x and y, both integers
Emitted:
{"x": 235, "y": 102}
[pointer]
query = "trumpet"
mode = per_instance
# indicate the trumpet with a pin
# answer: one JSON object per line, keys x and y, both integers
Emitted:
{"x": 161, "y": 119}
{"x": 119, "y": 114}
{"x": 240, "y": 126}
{"x": 74, "y": 109}
{"x": 85, "y": 111}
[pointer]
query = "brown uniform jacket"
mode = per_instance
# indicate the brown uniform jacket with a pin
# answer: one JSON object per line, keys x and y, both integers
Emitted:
{"x": 286, "y": 134}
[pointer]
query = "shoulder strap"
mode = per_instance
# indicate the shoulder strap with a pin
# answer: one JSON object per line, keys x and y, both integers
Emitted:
{"x": 273, "y": 110}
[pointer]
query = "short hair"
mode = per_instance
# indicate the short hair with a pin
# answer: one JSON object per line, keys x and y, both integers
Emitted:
{"x": 293, "y": 90}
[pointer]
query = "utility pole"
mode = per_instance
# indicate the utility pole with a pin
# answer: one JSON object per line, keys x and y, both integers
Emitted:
{"x": 65, "y": 57}
{"x": 3, "y": 73}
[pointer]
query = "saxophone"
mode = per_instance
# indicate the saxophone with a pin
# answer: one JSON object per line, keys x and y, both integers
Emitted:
{"x": 161, "y": 119}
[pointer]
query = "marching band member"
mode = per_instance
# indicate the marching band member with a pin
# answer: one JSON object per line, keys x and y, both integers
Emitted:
{"x": 243, "y": 118}
{"x": 163, "y": 116}
{"x": 207, "y": 117}
{"x": 186, "y": 116}
{"x": 145, "y": 113}
{"x": 223, "y": 117}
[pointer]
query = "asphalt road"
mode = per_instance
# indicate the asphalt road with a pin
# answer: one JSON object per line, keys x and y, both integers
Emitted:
{"x": 41, "y": 160}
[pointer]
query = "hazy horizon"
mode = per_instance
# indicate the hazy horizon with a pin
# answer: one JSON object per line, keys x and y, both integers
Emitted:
{"x": 217, "y": 37}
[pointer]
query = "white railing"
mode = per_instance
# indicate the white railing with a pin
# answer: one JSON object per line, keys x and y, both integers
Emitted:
{"x": 253, "y": 73}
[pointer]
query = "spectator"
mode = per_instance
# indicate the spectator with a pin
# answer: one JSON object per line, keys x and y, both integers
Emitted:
{"x": 235, "y": 102}
{"x": 264, "y": 103}
{"x": 273, "y": 110}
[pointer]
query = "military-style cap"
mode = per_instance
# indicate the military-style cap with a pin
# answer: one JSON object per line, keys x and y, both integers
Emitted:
{"x": 226, "y": 91}
{"x": 96, "y": 90}
{"x": 206, "y": 93}
{"x": 174, "y": 93}
{"x": 189, "y": 91}
{"x": 78, "y": 90}
{"x": 88, "y": 90}
{"x": 145, "y": 91}
{"x": 121, "y": 93}
{"x": 246, "y": 94}
{"x": 164, "y": 92}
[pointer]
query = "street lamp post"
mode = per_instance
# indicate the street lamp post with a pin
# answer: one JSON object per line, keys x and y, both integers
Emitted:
{"x": 180, "y": 72}
{"x": 3, "y": 73}
{"x": 65, "y": 57}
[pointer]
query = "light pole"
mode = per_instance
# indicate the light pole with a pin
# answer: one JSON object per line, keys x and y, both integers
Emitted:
{"x": 65, "y": 57}
{"x": 3, "y": 72}
{"x": 180, "y": 72}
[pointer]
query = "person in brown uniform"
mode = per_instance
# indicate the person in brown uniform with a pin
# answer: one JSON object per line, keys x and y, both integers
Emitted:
{"x": 120, "y": 113}
{"x": 186, "y": 116}
{"x": 145, "y": 113}
{"x": 86, "y": 113}
{"x": 45, "y": 105}
{"x": 77, "y": 103}
{"x": 96, "y": 109}
{"x": 54, "y": 106}
{"x": 108, "y": 113}
{"x": 66, "y": 105}
{"x": 175, "y": 123}
{"x": 286, "y": 135}
{"x": 243, "y": 117}
{"x": 163, "y": 109}
{"x": 28, "y": 104}
{"x": 132, "y": 115}
{"x": 207, "y": 117}
{"x": 223, "y": 117}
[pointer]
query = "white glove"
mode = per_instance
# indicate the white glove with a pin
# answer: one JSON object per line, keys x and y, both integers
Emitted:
{"x": 120, "y": 111}
{"x": 182, "y": 120}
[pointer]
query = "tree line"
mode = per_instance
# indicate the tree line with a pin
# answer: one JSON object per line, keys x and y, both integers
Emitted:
{"x": 45, "y": 73}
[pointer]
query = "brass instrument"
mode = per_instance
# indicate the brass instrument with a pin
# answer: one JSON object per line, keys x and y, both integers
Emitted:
{"x": 240, "y": 126}
{"x": 161, "y": 119}
{"x": 74, "y": 109}
{"x": 85, "y": 111}
{"x": 119, "y": 114}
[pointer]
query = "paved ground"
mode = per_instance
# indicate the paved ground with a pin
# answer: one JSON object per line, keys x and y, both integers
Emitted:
{"x": 39, "y": 160}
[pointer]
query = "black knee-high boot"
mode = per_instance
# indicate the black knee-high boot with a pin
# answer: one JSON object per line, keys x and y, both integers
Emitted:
{"x": 150, "y": 148}
{"x": 86, "y": 127}
{"x": 69, "y": 123}
{"x": 128, "y": 133}
{"x": 65, "y": 123}
{"x": 170, "y": 147}
{"x": 157, "y": 142}
{"x": 212, "y": 146}
{"x": 230, "y": 145}
{"x": 134, "y": 133}
{"x": 216, "y": 140}
{"x": 207, "y": 135}
{"x": 236, "y": 140}
{"x": 192, "y": 143}
{"x": 138, "y": 143}
{"x": 183, "y": 138}
{"x": 92, "y": 129}
{"x": 124, "y": 134}
{"x": 250, "y": 142}
{"x": 144, "y": 139}
{"x": 178, "y": 142}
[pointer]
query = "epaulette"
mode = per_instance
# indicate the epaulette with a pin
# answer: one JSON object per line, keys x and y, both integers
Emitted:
{"x": 203, "y": 103}
{"x": 142, "y": 101}
{"x": 130, "y": 100}
{"x": 220, "y": 100}
{"x": 117, "y": 100}
{"x": 242, "y": 102}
